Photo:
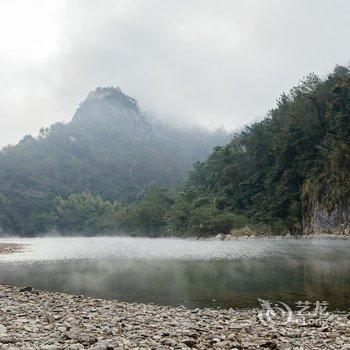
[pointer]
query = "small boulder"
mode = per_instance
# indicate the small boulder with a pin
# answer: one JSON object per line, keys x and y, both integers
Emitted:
{"x": 101, "y": 346}
{"x": 49, "y": 317}
{"x": 3, "y": 329}
{"x": 269, "y": 345}
{"x": 189, "y": 342}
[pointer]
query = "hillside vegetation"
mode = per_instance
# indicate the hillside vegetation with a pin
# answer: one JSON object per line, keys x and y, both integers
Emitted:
{"x": 271, "y": 174}
{"x": 95, "y": 178}
{"x": 110, "y": 149}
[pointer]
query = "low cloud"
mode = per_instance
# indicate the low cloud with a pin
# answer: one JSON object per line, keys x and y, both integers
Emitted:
{"x": 212, "y": 63}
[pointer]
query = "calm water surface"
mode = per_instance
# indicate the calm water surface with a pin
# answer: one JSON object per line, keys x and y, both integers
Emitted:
{"x": 185, "y": 272}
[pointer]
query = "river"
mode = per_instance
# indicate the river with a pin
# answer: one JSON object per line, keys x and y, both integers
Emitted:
{"x": 193, "y": 273}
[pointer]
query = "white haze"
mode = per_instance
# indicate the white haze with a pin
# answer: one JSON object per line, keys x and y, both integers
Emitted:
{"x": 194, "y": 62}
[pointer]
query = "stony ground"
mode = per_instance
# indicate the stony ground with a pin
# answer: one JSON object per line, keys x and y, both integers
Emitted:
{"x": 32, "y": 319}
{"x": 8, "y": 248}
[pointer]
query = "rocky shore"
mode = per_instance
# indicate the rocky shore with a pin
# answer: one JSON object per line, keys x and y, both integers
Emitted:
{"x": 40, "y": 320}
{"x": 231, "y": 237}
{"x": 8, "y": 248}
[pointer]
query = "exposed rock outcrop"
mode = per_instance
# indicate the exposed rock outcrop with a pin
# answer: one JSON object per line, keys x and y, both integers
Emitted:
{"x": 318, "y": 220}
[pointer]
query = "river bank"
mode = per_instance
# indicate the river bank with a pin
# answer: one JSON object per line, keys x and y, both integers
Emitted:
{"x": 33, "y": 319}
{"x": 8, "y": 248}
{"x": 37, "y": 320}
{"x": 243, "y": 236}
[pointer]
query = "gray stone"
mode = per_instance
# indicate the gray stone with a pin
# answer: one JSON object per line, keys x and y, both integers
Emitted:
{"x": 3, "y": 329}
{"x": 49, "y": 317}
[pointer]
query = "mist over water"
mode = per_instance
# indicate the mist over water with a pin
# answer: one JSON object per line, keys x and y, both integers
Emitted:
{"x": 185, "y": 272}
{"x": 95, "y": 248}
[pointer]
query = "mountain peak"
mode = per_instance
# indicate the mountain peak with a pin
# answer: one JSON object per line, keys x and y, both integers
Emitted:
{"x": 109, "y": 108}
{"x": 112, "y": 94}
{"x": 107, "y": 102}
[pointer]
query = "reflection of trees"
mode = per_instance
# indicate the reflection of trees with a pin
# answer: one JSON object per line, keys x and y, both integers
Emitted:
{"x": 194, "y": 283}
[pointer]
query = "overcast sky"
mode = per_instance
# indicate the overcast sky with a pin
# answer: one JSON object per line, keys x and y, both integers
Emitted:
{"x": 208, "y": 62}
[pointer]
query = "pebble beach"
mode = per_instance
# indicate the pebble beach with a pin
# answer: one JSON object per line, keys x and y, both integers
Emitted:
{"x": 38, "y": 320}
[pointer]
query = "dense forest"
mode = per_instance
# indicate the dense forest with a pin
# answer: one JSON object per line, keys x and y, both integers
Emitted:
{"x": 111, "y": 149}
{"x": 267, "y": 179}
{"x": 271, "y": 175}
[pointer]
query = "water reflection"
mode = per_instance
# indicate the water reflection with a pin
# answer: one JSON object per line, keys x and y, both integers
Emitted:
{"x": 213, "y": 283}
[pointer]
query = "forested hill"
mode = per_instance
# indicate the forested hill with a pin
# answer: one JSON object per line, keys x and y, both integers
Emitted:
{"x": 289, "y": 172}
{"x": 109, "y": 149}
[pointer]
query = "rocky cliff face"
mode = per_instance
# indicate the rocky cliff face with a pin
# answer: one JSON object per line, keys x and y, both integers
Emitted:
{"x": 320, "y": 221}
